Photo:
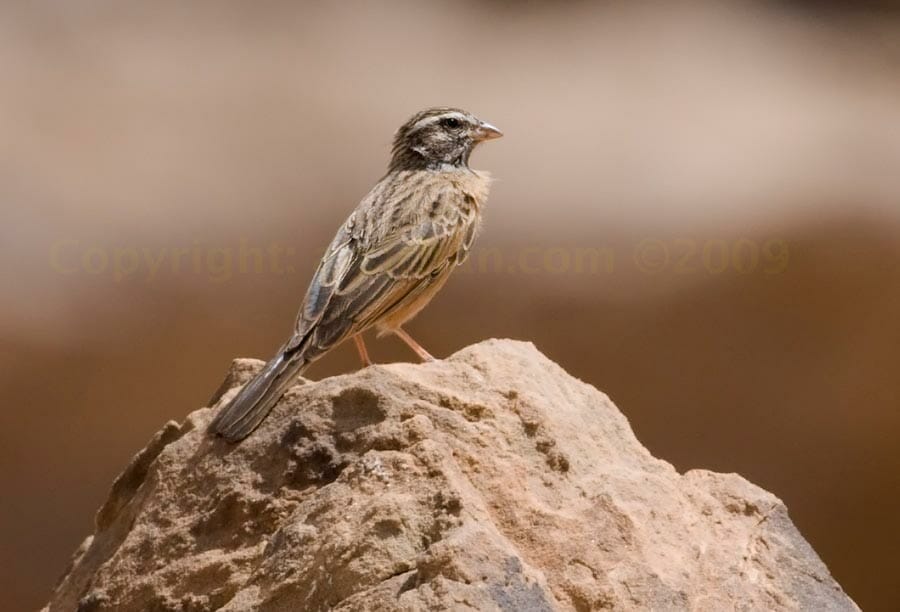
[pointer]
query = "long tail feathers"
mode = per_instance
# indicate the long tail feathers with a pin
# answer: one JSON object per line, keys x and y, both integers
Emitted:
{"x": 252, "y": 404}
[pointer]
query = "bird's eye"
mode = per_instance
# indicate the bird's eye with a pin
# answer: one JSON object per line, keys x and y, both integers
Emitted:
{"x": 451, "y": 123}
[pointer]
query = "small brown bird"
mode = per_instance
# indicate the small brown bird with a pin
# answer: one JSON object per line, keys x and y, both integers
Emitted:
{"x": 388, "y": 259}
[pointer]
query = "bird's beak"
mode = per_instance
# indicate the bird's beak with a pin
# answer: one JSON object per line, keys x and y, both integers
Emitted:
{"x": 486, "y": 131}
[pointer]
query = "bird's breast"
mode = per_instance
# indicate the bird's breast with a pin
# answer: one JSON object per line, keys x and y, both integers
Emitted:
{"x": 474, "y": 186}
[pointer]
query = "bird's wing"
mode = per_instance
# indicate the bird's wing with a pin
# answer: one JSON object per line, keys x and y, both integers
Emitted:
{"x": 357, "y": 281}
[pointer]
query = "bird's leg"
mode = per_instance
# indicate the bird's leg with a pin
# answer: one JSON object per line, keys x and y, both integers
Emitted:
{"x": 361, "y": 348}
{"x": 415, "y": 346}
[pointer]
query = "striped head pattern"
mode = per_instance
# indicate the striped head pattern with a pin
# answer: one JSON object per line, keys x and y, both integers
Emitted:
{"x": 438, "y": 138}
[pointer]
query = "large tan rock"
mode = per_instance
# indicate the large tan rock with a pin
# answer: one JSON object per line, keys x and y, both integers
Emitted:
{"x": 491, "y": 480}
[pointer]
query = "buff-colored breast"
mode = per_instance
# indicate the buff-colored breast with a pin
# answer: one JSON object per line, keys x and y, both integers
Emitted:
{"x": 470, "y": 191}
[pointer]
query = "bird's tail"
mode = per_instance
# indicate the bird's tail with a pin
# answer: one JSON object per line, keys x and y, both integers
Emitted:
{"x": 252, "y": 404}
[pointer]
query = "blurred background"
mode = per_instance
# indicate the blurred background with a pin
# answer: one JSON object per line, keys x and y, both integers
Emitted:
{"x": 697, "y": 210}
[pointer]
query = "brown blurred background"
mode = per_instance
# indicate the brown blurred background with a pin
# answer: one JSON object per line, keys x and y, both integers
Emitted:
{"x": 697, "y": 210}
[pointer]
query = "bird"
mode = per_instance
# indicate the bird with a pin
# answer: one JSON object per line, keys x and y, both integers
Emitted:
{"x": 390, "y": 257}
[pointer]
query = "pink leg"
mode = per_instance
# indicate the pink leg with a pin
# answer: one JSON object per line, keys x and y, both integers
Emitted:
{"x": 361, "y": 348}
{"x": 415, "y": 346}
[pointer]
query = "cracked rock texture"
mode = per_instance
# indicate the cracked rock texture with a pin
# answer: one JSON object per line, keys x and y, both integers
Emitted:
{"x": 491, "y": 480}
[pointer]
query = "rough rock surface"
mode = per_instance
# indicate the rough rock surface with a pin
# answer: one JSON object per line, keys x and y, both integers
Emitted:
{"x": 491, "y": 480}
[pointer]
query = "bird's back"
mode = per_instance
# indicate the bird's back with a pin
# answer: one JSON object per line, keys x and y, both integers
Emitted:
{"x": 393, "y": 252}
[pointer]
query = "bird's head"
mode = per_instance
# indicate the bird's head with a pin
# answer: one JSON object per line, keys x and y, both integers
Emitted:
{"x": 439, "y": 137}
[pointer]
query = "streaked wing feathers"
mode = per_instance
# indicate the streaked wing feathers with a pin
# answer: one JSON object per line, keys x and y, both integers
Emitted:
{"x": 356, "y": 284}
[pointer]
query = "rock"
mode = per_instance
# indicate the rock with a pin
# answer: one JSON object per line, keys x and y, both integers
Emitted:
{"x": 491, "y": 480}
